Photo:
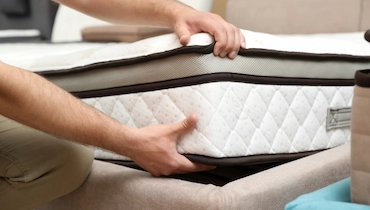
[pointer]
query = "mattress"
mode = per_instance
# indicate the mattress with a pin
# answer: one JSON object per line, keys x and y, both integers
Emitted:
{"x": 283, "y": 97}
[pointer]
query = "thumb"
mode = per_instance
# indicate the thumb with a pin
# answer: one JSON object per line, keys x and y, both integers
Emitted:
{"x": 186, "y": 125}
{"x": 183, "y": 34}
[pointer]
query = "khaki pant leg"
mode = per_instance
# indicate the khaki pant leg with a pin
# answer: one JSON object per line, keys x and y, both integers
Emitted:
{"x": 36, "y": 168}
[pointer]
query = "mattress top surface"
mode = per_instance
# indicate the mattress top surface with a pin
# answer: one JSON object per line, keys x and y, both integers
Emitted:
{"x": 40, "y": 57}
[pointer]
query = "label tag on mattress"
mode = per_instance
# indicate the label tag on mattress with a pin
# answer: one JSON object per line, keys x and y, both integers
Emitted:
{"x": 338, "y": 117}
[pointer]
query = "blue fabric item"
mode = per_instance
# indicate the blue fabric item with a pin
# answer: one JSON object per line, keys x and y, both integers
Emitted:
{"x": 336, "y": 196}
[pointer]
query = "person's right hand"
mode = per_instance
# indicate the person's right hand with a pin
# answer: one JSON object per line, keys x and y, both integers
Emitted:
{"x": 229, "y": 39}
{"x": 154, "y": 148}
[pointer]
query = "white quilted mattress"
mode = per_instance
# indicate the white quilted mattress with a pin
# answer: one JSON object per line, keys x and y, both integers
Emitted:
{"x": 283, "y": 96}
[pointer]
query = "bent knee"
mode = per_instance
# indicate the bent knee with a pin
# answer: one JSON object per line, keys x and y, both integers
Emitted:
{"x": 76, "y": 164}
{"x": 44, "y": 168}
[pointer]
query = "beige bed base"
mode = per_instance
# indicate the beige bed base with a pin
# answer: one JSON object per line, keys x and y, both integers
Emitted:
{"x": 114, "y": 187}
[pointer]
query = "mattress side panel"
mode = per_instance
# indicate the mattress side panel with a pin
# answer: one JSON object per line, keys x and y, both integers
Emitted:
{"x": 194, "y": 65}
{"x": 237, "y": 119}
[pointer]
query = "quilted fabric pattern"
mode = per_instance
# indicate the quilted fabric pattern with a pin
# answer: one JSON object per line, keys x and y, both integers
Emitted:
{"x": 236, "y": 119}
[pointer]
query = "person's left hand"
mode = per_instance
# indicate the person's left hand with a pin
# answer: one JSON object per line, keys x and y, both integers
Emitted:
{"x": 229, "y": 38}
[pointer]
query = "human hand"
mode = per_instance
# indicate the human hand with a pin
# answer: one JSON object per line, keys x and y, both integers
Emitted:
{"x": 154, "y": 149}
{"x": 229, "y": 38}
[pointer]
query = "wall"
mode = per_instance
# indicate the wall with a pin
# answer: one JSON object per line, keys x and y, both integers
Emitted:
{"x": 219, "y": 7}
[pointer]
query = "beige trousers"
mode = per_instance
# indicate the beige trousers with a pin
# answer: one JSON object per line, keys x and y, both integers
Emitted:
{"x": 36, "y": 168}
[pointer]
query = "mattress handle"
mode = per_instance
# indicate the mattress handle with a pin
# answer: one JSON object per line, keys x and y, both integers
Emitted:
{"x": 338, "y": 117}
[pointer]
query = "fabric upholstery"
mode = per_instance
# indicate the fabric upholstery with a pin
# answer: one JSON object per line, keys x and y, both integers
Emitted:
{"x": 115, "y": 187}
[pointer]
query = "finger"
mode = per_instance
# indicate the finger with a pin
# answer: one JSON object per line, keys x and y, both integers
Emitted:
{"x": 220, "y": 38}
{"x": 231, "y": 42}
{"x": 183, "y": 34}
{"x": 232, "y": 55}
{"x": 242, "y": 40}
{"x": 186, "y": 125}
{"x": 197, "y": 167}
{"x": 187, "y": 166}
{"x": 180, "y": 165}
{"x": 237, "y": 43}
{"x": 187, "y": 172}
{"x": 226, "y": 49}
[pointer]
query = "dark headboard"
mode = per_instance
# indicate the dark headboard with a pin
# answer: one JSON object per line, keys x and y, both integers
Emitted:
{"x": 28, "y": 14}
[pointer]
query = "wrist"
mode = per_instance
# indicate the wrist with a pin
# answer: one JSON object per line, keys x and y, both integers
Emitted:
{"x": 174, "y": 11}
{"x": 117, "y": 138}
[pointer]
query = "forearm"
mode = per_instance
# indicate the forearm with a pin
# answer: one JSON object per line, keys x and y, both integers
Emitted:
{"x": 145, "y": 12}
{"x": 183, "y": 19}
{"x": 32, "y": 100}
